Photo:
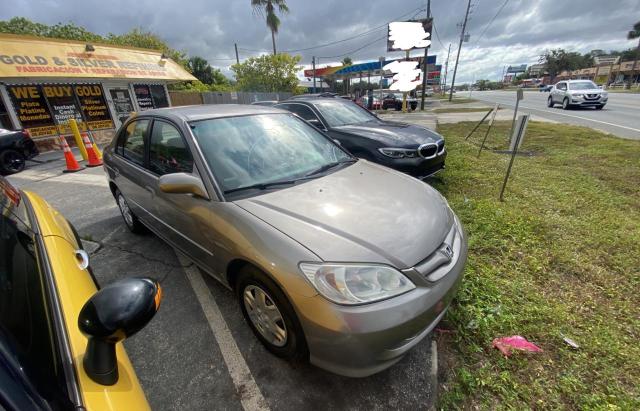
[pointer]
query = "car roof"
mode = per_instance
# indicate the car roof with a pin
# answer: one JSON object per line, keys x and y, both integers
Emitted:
{"x": 312, "y": 100}
{"x": 210, "y": 111}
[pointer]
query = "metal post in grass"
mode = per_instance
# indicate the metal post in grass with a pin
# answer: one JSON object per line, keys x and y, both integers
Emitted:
{"x": 519, "y": 96}
{"x": 493, "y": 117}
{"x": 519, "y": 136}
{"x": 478, "y": 125}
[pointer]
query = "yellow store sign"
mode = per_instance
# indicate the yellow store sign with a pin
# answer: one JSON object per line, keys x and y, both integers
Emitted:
{"x": 36, "y": 57}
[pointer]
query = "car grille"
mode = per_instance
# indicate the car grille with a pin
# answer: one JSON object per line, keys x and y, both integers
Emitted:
{"x": 592, "y": 96}
{"x": 428, "y": 150}
{"x": 439, "y": 263}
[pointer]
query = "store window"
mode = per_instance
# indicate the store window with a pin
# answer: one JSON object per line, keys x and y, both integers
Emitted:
{"x": 150, "y": 96}
{"x": 32, "y": 110}
{"x": 159, "y": 96}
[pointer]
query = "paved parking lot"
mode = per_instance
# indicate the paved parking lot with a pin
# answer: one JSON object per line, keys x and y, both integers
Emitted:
{"x": 198, "y": 353}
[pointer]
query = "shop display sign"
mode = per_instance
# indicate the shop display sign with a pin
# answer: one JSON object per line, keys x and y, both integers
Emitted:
{"x": 143, "y": 97}
{"x": 32, "y": 110}
{"x": 61, "y": 98}
{"x": 93, "y": 105}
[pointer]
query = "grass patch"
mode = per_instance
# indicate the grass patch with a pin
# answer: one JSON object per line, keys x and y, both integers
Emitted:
{"x": 456, "y": 100}
{"x": 461, "y": 109}
{"x": 560, "y": 257}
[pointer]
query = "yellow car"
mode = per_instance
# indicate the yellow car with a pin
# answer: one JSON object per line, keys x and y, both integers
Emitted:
{"x": 60, "y": 338}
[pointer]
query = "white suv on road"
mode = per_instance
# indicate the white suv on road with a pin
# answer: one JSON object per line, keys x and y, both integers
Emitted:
{"x": 583, "y": 93}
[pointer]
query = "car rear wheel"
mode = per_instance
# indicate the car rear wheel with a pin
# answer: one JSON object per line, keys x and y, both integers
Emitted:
{"x": 550, "y": 103}
{"x": 130, "y": 219}
{"x": 270, "y": 315}
{"x": 11, "y": 161}
{"x": 565, "y": 104}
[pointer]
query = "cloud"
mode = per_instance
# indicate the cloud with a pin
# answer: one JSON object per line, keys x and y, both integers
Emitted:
{"x": 209, "y": 28}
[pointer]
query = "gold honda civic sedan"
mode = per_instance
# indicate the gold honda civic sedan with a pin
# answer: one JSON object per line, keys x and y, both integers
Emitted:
{"x": 60, "y": 338}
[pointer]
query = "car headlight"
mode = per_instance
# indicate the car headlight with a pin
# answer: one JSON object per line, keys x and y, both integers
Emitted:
{"x": 605, "y": 94}
{"x": 398, "y": 152}
{"x": 356, "y": 284}
{"x": 577, "y": 96}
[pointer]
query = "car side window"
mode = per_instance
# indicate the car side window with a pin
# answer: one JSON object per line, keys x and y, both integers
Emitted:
{"x": 303, "y": 111}
{"x": 168, "y": 152}
{"x": 27, "y": 335}
{"x": 561, "y": 86}
{"x": 132, "y": 141}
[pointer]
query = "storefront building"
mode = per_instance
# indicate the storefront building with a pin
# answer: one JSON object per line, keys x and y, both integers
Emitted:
{"x": 46, "y": 82}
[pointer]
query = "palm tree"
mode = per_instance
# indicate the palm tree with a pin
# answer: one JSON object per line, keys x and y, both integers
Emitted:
{"x": 632, "y": 35}
{"x": 268, "y": 8}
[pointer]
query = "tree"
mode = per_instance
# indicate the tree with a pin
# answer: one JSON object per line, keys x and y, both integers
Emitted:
{"x": 558, "y": 60}
{"x": 632, "y": 35}
{"x": 141, "y": 38}
{"x": 268, "y": 8}
{"x": 268, "y": 73}
{"x": 347, "y": 61}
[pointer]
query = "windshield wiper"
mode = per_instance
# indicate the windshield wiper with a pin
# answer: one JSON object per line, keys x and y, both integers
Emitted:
{"x": 329, "y": 166}
{"x": 262, "y": 186}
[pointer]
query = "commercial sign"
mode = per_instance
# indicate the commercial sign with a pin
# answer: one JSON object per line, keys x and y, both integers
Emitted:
{"x": 409, "y": 35}
{"x": 143, "y": 97}
{"x": 45, "y": 110}
{"x": 517, "y": 69}
{"x": 93, "y": 105}
{"x": 35, "y": 57}
{"x": 32, "y": 110}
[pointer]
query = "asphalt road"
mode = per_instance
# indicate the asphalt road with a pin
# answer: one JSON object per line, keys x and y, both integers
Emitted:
{"x": 620, "y": 117}
{"x": 198, "y": 353}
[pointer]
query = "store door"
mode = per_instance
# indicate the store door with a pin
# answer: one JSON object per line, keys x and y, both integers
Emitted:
{"x": 121, "y": 104}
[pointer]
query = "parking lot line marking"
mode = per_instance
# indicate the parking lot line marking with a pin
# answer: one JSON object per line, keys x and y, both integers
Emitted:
{"x": 250, "y": 395}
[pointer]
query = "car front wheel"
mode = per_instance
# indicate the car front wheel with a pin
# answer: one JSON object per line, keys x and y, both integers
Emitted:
{"x": 270, "y": 315}
{"x": 550, "y": 102}
{"x": 130, "y": 219}
{"x": 565, "y": 104}
{"x": 11, "y": 161}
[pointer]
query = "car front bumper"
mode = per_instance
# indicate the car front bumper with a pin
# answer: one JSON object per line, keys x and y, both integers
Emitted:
{"x": 358, "y": 341}
{"x": 417, "y": 166}
{"x": 589, "y": 103}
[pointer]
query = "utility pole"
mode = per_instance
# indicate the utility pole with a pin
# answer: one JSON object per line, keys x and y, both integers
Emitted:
{"x": 424, "y": 68}
{"x": 313, "y": 62}
{"x": 446, "y": 70}
{"x": 237, "y": 57}
{"x": 455, "y": 68}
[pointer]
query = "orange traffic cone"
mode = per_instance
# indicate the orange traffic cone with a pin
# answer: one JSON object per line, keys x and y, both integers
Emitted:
{"x": 93, "y": 160}
{"x": 72, "y": 163}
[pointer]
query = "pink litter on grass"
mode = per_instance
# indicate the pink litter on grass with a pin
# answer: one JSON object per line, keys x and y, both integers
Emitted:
{"x": 515, "y": 342}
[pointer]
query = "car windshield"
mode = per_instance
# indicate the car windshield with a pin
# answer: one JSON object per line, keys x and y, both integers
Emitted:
{"x": 583, "y": 85}
{"x": 247, "y": 151}
{"x": 341, "y": 113}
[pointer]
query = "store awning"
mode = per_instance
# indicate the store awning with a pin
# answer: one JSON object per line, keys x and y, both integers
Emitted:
{"x": 22, "y": 56}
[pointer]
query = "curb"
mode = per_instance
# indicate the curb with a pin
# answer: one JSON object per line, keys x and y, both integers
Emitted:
{"x": 433, "y": 377}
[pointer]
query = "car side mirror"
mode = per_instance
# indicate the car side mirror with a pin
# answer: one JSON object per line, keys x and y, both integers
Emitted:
{"x": 317, "y": 124}
{"x": 114, "y": 313}
{"x": 182, "y": 183}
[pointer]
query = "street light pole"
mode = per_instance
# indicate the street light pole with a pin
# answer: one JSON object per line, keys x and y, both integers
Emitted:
{"x": 237, "y": 57}
{"x": 424, "y": 68}
{"x": 455, "y": 68}
{"x": 313, "y": 62}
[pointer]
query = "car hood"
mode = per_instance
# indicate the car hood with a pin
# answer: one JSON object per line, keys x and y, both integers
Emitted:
{"x": 362, "y": 213}
{"x": 391, "y": 133}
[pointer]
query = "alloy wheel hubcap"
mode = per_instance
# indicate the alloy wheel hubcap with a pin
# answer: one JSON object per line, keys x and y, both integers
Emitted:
{"x": 264, "y": 315}
{"x": 124, "y": 209}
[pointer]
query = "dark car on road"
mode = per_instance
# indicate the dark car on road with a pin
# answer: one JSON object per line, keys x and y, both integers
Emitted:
{"x": 408, "y": 148}
{"x": 394, "y": 101}
{"x": 16, "y": 147}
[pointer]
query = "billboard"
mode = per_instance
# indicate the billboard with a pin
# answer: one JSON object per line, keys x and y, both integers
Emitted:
{"x": 409, "y": 35}
{"x": 517, "y": 69}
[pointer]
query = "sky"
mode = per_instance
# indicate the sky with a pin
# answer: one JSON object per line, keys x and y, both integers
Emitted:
{"x": 502, "y": 32}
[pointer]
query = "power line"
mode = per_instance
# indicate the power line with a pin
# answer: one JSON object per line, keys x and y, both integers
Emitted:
{"x": 437, "y": 35}
{"x": 418, "y": 10}
{"x": 356, "y": 50}
{"x": 491, "y": 21}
